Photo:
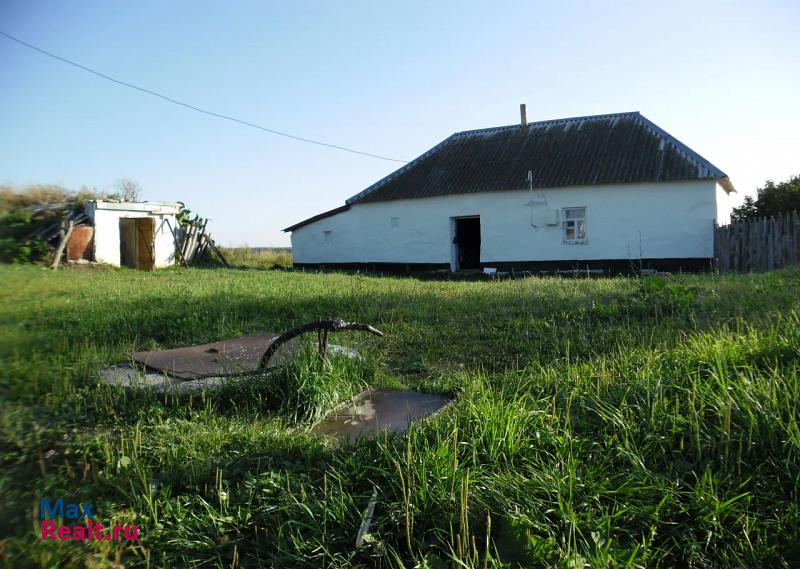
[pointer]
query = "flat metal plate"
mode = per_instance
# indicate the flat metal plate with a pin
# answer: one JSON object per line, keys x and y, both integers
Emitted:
{"x": 128, "y": 377}
{"x": 378, "y": 410}
{"x": 235, "y": 355}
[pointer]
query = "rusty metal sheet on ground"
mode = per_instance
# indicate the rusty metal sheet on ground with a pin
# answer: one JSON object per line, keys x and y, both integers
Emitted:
{"x": 377, "y": 410}
{"x": 235, "y": 355}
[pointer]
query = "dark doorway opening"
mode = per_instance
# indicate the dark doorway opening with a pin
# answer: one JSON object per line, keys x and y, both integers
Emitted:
{"x": 467, "y": 242}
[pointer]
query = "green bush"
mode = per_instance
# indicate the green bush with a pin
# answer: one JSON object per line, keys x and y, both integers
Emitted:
{"x": 16, "y": 246}
{"x": 12, "y": 251}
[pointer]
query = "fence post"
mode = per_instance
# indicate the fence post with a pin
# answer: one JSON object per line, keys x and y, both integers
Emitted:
{"x": 759, "y": 245}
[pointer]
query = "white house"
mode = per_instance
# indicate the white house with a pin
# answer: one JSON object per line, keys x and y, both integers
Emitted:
{"x": 599, "y": 192}
{"x": 140, "y": 235}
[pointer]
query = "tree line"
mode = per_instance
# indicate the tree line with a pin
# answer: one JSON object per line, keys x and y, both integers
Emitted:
{"x": 773, "y": 200}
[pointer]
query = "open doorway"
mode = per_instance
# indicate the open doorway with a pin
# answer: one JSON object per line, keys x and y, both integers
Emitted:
{"x": 137, "y": 242}
{"x": 467, "y": 243}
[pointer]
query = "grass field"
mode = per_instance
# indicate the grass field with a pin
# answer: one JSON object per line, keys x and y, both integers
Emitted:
{"x": 603, "y": 423}
{"x": 258, "y": 257}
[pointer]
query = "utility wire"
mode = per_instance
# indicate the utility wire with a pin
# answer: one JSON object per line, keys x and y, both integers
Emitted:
{"x": 192, "y": 107}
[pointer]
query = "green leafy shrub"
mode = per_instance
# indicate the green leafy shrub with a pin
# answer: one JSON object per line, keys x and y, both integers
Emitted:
{"x": 12, "y": 251}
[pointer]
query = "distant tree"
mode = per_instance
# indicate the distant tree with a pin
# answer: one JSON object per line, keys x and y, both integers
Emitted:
{"x": 773, "y": 200}
{"x": 129, "y": 190}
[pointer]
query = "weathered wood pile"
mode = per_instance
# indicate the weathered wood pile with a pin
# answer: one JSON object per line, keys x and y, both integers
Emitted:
{"x": 758, "y": 246}
{"x": 195, "y": 243}
{"x": 71, "y": 216}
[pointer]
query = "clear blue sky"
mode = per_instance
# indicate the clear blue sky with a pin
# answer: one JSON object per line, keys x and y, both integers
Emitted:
{"x": 389, "y": 78}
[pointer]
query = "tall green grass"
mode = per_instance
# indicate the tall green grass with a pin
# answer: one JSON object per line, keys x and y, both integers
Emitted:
{"x": 260, "y": 257}
{"x": 616, "y": 422}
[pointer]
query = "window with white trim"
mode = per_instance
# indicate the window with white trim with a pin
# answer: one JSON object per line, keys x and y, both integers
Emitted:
{"x": 574, "y": 224}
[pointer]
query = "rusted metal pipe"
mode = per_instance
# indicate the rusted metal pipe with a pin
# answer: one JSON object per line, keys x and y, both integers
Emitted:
{"x": 322, "y": 327}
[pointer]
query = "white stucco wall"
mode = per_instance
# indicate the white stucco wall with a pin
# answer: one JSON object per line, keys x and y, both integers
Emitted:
{"x": 629, "y": 221}
{"x": 105, "y": 217}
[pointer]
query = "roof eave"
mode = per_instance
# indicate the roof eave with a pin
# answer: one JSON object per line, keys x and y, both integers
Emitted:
{"x": 727, "y": 185}
{"x": 318, "y": 217}
{"x": 403, "y": 168}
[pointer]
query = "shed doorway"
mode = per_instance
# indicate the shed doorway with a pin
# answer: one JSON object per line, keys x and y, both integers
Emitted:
{"x": 467, "y": 243}
{"x": 137, "y": 242}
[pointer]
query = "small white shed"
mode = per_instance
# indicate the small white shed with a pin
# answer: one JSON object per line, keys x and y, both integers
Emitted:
{"x": 140, "y": 235}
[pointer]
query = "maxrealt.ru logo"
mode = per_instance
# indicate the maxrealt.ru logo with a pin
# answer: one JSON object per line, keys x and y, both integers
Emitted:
{"x": 84, "y": 527}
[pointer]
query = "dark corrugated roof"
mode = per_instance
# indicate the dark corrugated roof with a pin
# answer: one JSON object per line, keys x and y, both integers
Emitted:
{"x": 604, "y": 149}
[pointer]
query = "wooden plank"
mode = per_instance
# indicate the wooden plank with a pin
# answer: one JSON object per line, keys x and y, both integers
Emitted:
{"x": 760, "y": 245}
{"x": 66, "y": 230}
{"x": 178, "y": 246}
{"x": 213, "y": 246}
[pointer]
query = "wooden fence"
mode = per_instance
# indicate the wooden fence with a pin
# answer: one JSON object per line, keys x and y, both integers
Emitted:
{"x": 758, "y": 246}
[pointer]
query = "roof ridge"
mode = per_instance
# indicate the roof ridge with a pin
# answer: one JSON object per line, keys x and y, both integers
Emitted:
{"x": 551, "y": 121}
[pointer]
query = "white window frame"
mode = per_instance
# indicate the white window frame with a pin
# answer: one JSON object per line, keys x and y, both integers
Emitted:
{"x": 574, "y": 222}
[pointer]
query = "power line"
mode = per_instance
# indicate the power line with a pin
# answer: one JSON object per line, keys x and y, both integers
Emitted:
{"x": 192, "y": 107}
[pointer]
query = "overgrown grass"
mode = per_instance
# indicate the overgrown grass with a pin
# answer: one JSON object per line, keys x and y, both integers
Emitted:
{"x": 258, "y": 257}
{"x": 613, "y": 422}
